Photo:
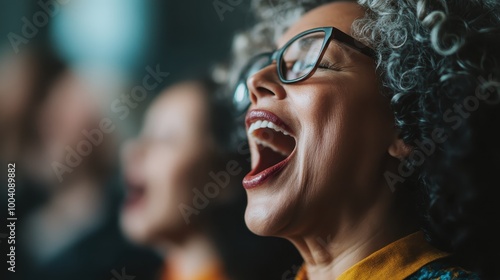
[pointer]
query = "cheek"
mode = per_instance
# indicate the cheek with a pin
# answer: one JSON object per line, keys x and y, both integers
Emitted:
{"x": 171, "y": 177}
{"x": 322, "y": 142}
{"x": 167, "y": 176}
{"x": 344, "y": 128}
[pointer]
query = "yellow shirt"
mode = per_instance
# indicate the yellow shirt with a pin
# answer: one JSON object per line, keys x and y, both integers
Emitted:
{"x": 397, "y": 260}
{"x": 210, "y": 272}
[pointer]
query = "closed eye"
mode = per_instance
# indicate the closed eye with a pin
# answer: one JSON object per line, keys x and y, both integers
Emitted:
{"x": 329, "y": 65}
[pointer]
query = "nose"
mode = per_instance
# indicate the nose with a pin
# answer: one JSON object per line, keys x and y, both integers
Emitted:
{"x": 265, "y": 84}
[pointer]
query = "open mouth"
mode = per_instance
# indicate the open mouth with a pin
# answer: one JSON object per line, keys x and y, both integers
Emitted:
{"x": 135, "y": 193}
{"x": 275, "y": 145}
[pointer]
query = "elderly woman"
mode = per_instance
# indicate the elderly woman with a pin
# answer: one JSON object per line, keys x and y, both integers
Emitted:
{"x": 373, "y": 130}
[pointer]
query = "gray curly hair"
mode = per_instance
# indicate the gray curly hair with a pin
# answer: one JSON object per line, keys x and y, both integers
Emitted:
{"x": 434, "y": 56}
{"x": 439, "y": 63}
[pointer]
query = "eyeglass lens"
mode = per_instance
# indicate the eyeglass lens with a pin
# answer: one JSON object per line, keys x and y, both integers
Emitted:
{"x": 301, "y": 56}
{"x": 298, "y": 60}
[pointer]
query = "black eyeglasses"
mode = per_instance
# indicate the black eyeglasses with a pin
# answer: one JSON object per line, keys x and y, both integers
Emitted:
{"x": 296, "y": 60}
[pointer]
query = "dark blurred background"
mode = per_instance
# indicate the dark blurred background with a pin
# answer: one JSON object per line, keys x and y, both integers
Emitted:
{"x": 132, "y": 34}
{"x": 64, "y": 66}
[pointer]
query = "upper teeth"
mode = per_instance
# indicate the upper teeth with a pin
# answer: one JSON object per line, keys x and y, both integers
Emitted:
{"x": 265, "y": 124}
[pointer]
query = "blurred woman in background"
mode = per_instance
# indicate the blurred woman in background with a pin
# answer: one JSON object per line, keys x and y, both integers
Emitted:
{"x": 183, "y": 191}
{"x": 75, "y": 214}
{"x": 24, "y": 82}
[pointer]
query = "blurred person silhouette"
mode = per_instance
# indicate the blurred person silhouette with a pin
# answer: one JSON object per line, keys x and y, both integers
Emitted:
{"x": 24, "y": 81}
{"x": 184, "y": 196}
{"x": 24, "y": 78}
{"x": 74, "y": 234}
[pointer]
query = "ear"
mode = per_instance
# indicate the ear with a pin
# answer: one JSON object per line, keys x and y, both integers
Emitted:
{"x": 398, "y": 148}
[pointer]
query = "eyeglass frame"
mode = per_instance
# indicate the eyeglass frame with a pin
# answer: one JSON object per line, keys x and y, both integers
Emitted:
{"x": 338, "y": 35}
{"x": 277, "y": 55}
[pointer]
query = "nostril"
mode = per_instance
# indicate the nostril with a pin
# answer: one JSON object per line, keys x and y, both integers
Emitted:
{"x": 265, "y": 83}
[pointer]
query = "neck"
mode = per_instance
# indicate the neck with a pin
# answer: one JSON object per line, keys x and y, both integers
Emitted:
{"x": 193, "y": 256}
{"x": 342, "y": 242}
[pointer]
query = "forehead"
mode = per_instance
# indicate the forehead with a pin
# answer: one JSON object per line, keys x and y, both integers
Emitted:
{"x": 338, "y": 14}
{"x": 181, "y": 102}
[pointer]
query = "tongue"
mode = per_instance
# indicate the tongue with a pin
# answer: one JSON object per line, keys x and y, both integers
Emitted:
{"x": 268, "y": 158}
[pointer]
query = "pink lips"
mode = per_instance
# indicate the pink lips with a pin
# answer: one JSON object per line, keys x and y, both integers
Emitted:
{"x": 253, "y": 179}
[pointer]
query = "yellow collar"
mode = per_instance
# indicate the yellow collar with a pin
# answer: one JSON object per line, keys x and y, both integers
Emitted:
{"x": 397, "y": 260}
{"x": 213, "y": 271}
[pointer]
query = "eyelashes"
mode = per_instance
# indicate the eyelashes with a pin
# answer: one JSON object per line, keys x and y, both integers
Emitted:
{"x": 329, "y": 66}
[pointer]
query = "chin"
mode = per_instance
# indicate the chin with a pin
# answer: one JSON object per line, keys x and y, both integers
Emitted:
{"x": 135, "y": 231}
{"x": 265, "y": 217}
{"x": 147, "y": 232}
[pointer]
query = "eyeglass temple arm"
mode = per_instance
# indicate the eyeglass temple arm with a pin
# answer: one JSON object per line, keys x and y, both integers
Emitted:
{"x": 350, "y": 41}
